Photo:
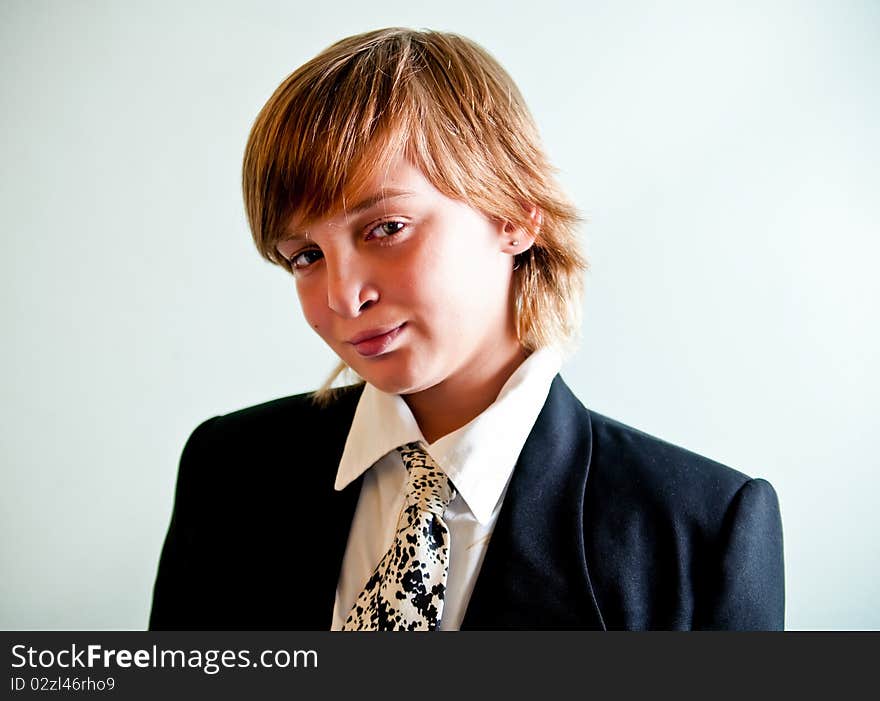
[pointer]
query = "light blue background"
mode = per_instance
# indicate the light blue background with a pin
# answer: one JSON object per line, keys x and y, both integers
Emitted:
{"x": 725, "y": 154}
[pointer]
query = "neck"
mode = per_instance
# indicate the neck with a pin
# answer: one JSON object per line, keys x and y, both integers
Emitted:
{"x": 457, "y": 400}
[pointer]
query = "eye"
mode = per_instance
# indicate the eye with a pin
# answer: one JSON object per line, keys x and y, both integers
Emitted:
{"x": 384, "y": 232}
{"x": 388, "y": 228}
{"x": 304, "y": 259}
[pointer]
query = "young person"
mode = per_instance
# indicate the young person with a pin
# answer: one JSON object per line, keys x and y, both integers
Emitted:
{"x": 399, "y": 178}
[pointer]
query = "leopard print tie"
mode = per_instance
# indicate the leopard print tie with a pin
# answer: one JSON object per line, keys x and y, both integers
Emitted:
{"x": 407, "y": 589}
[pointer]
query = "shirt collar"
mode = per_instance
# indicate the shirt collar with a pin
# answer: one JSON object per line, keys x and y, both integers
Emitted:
{"x": 479, "y": 457}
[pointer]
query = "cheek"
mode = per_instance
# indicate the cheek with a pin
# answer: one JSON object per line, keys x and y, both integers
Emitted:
{"x": 442, "y": 296}
{"x": 423, "y": 286}
{"x": 313, "y": 305}
{"x": 463, "y": 273}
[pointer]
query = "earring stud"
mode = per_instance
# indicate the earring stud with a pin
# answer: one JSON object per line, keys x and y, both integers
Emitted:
{"x": 515, "y": 242}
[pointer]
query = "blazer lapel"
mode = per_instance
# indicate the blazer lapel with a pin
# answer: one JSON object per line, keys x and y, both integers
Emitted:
{"x": 534, "y": 574}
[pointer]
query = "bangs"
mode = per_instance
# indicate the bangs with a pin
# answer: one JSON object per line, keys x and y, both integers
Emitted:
{"x": 322, "y": 135}
{"x": 323, "y": 183}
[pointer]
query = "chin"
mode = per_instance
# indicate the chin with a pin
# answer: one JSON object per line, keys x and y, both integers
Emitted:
{"x": 390, "y": 385}
{"x": 391, "y": 376}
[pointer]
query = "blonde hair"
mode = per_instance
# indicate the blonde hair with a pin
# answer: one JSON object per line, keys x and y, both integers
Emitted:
{"x": 446, "y": 105}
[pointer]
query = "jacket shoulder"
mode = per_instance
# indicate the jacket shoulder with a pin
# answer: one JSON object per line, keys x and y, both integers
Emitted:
{"x": 240, "y": 475}
{"x": 299, "y": 407}
{"x": 676, "y": 540}
{"x": 267, "y": 437}
{"x": 279, "y": 418}
{"x": 659, "y": 473}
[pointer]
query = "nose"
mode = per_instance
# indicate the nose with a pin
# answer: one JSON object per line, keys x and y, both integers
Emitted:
{"x": 349, "y": 288}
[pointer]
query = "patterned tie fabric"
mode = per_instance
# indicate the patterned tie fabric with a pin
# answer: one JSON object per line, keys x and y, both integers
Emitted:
{"x": 407, "y": 589}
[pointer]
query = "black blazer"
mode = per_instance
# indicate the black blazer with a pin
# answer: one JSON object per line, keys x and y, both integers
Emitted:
{"x": 602, "y": 527}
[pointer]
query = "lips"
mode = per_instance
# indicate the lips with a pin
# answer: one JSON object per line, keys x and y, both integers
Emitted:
{"x": 375, "y": 341}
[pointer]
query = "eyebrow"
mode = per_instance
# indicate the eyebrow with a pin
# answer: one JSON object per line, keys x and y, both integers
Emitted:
{"x": 365, "y": 204}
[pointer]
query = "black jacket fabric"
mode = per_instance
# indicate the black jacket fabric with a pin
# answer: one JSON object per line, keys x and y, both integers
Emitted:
{"x": 602, "y": 527}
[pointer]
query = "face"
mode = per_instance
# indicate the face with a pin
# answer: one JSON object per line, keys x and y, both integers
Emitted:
{"x": 408, "y": 287}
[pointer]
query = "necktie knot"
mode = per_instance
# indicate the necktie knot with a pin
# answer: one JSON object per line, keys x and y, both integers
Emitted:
{"x": 428, "y": 487}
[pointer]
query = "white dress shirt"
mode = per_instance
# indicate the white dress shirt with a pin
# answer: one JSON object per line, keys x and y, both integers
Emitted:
{"x": 478, "y": 458}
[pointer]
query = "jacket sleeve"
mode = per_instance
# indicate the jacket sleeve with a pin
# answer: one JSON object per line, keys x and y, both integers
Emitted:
{"x": 178, "y": 587}
{"x": 749, "y": 586}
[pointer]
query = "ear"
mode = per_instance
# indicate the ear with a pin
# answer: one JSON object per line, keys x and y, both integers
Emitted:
{"x": 518, "y": 238}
